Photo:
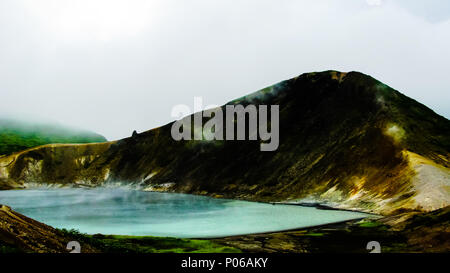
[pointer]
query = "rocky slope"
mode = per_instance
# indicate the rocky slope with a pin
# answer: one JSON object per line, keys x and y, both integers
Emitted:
{"x": 345, "y": 138}
{"x": 23, "y": 234}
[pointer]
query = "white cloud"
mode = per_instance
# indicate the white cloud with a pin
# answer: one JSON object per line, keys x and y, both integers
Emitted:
{"x": 116, "y": 66}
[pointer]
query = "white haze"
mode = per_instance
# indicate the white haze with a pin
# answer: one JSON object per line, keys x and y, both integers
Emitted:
{"x": 116, "y": 66}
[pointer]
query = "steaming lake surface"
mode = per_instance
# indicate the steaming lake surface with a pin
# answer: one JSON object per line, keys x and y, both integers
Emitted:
{"x": 131, "y": 212}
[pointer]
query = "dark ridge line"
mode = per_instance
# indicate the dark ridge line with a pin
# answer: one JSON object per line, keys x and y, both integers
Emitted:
{"x": 283, "y": 230}
{"x": 321, "y": 207}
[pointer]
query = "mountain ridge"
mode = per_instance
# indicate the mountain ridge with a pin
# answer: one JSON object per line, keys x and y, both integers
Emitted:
{"x": 345, "y": 139}
{"x": 17, "y": 135}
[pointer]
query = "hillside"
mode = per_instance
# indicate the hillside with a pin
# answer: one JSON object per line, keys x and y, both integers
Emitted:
{"x": 19, "y": 233}
{"x": 346, "y": 139}
{"x": 18, "y": 135}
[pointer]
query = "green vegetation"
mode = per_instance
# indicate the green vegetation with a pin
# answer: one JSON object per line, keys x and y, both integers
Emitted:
{"x": 370, "y": 224}
{"x": 134, "y": 244}
{"x": 314, "y": 234}
{"x": 148, "y": 244}
{"x": 18, "y": 135}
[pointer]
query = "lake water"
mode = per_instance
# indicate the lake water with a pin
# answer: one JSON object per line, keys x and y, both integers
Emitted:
{"x": 131, "y": 212}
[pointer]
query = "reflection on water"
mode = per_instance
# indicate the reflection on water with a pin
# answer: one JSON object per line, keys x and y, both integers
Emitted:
{"x": 131, "y": 212}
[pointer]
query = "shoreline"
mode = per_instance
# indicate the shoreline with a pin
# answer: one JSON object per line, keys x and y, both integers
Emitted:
{"x": 322, "y": 206}
{"x": 281, "y": 231}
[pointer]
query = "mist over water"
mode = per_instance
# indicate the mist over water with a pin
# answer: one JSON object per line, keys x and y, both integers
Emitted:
{"x": 130, "y": 212}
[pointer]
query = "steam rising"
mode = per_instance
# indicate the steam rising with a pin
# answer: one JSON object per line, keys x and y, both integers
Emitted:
{"x": 396, "y": 132}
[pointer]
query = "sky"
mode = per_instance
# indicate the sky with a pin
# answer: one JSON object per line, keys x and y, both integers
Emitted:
{"x": 114, "y": 66}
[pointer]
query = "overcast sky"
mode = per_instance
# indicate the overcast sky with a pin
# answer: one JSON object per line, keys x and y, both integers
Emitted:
{"x": 116, "y": 66}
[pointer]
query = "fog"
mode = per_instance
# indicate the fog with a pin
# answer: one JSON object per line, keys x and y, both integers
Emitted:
{"x": 115, "y": 66}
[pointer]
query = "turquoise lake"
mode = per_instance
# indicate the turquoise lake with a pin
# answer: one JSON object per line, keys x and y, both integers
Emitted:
{"x": 132, "y": 212}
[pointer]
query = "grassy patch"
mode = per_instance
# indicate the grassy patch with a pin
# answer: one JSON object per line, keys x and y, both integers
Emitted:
{"x": 137, "y": 244}
{"x": 314, "y": 234}
{"x": 370, "y": 224}
{"x": 149, "y": 244}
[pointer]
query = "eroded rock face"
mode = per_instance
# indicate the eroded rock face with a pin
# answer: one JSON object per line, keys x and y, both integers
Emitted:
{"x": 345, "y": 138}
{"x": 64, "y": 164}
